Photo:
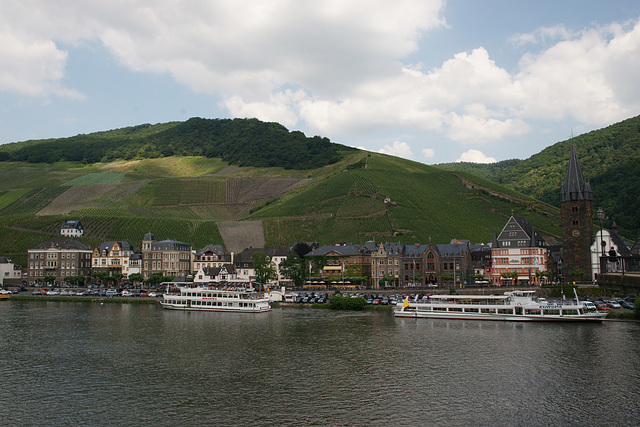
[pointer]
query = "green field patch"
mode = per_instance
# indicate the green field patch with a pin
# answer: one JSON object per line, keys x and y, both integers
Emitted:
{"x": 176, "y": 191}
{"x": 33, "y": 201}
{"x": 9, "y": 197}
{"x": 97, "y": 178}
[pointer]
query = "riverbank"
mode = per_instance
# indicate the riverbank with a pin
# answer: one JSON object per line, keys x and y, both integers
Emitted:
{"x": 85, "y": 299}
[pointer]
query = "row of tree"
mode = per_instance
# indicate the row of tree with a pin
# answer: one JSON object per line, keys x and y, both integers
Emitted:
{"x": 243, "y": 142}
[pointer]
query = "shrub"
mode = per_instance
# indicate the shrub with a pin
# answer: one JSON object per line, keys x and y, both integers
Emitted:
{"x": 338, "y": 302}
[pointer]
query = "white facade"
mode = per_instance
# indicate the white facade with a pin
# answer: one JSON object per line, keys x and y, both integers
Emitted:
{"x": 72, "y": 228}
{"x": 8, "y": 270}
{"x": 523, "y": 261}
{"x": 596, "y": 250}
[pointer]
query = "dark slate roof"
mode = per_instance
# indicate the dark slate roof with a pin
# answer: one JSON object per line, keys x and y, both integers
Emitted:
{"x": 72, "y": 223}
{"x": 124, "y": 245}
{"x": 149, "y": 236}
{"x": 575, "y": 188}
{"x": 169, "y": 245}
{"x": 4, "y": 260}
{"x": 414, "y": 251}
{"x": 371, "y": 246}
{"x": 451, "y": 250}
{"x": 344, "y": 250}
{"x": 394, "y": 248}
{"x": 518, "y": 229}
{"x": 61, "y": 244}
{"x": 216, "y": 249}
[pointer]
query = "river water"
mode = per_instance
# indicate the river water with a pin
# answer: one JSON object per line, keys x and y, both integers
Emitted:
{"x": 115, "y": 364}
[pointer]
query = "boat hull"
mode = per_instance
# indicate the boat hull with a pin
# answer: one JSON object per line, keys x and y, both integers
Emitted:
{"x": 217, "y": 309}
{"x": 590, "y": 317}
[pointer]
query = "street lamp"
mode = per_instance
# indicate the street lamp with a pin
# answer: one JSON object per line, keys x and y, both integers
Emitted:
{"x": 600, "y": 214}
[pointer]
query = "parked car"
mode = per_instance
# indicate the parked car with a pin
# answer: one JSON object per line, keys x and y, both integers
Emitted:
{"x": 602, "y": 306}
{"x": 126, "y": 293}
{"x": 53, "y": 292}
{"x": 36, "y": 292}
{"x": 613, "y": 304}
{"x": 153, "y": 294}
{"x": 111, "y": 293}
{"x": 628, "y": 305}
{"x": 588, "y": 305}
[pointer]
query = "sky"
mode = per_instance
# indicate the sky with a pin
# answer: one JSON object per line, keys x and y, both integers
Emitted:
{"x": 434, "y": 81}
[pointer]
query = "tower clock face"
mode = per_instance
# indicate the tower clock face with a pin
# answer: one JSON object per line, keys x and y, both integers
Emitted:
{"x": 575, "y": 233}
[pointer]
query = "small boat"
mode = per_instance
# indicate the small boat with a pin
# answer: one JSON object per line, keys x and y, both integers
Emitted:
{"x": 216, "y": 298}
{"x": 512, "y": 306}
{"x": 5, "y": 294}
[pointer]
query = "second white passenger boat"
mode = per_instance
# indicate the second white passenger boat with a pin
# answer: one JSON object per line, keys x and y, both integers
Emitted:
{"x": 512, "y": 306}
{"x": 219, "y": 298}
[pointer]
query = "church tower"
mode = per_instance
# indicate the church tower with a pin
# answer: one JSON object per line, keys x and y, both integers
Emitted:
{"x": 576, "y": 210}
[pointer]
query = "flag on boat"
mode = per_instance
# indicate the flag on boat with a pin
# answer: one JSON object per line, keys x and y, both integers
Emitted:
{"x": 406, "y": 304}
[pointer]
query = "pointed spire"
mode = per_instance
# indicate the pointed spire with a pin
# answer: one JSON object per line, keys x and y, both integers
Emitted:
{"x": 494, "y": 242}
{"x": 575, "y": 188}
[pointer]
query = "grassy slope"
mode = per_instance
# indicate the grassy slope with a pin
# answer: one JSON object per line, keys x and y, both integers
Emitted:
{"x": 426, "y": 203}
{"x": 609, "y": 159}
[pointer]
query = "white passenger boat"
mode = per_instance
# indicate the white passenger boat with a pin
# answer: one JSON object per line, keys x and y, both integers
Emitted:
{"x": 222, "y": 298}
{"x": 512, "y": 306}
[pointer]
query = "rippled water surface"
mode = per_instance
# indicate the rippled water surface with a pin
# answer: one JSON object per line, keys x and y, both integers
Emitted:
{"x": 93, "y": 364}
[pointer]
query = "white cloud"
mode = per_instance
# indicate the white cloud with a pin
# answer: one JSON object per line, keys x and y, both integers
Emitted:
{"x": 398, "y": 148}
{"x": 428, "y": 153}
{"x": 475, "y": 156}
{"x": 32, "y": 67}
{"x": 337, "y": 66}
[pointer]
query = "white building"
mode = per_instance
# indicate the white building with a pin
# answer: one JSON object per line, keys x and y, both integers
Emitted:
{"x": 72, "y": 228}
{"x": 606, "y": 239}
{"x": 9, "y": 271}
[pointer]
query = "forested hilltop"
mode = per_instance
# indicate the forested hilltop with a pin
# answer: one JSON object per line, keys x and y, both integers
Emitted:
{"x": 241, "y": 142}
{"x": 610, "y": 161}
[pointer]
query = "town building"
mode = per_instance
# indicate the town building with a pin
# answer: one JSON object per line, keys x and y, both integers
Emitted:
{"x": 576, "y": 200}
{"x": 604, "y": 241}
{"x": 243, "y": 262}
{"x": 212, "y": 256}
{"x": 60, "y": 258}
{"x": 448, "y": 265}
{"x": 220, "y": 274}
{"x": 10, "y": 273}
{"x": 166, "y": 257}
{"x": 343, "y": 265}
{"x": 115, "y": 257}
{"x": 72, "y": 228}
{"x": 519, "y": 254}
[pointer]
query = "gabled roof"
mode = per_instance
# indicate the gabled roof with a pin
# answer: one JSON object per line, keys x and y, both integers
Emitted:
{"x": 72, "y": 223}
{"x": 575, "y": 188}
{"x": 124, "y": 246}
{"x": 518, "y": 230}
{"x": 216, "y": 249}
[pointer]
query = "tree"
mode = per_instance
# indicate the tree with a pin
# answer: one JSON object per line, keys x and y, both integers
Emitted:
{"x": 264, "y": 268}
{"x": 294, "y": 268}
{"x": 509, "y": 275}
{"x": 136, "y": 278}
{"x": 301, "y": 249}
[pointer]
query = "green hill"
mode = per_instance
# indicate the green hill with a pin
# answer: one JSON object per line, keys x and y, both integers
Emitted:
{"x": 610, "y": 161}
